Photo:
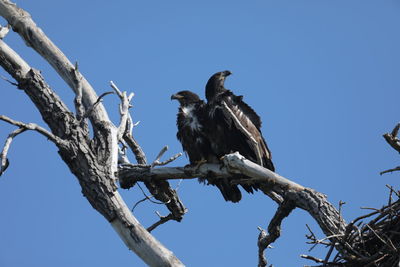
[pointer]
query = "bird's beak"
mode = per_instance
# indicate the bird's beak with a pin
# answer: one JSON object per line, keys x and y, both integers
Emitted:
{"x": 227, "y": 73}
{"x": 176, "y": 96}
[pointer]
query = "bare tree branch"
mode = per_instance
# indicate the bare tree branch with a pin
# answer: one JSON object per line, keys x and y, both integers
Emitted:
{"x": 161, "y": 190}
{"x": 135, "y": 148}
{"x": 92, "y": 161}
{"x": 157, "y": 161}
{"x": 390, "y": 170}
{"x": 123, "y": 109}
{"x": 274, "y": 230}
{"x": 32, "y": 126}
{"x": 12, "y": 62}
{"x": 91, "y": 109}
{"x": 34, "y": 37}
{"x": 163, "y": 219}
{"x": 327, "y": 217}
{"x": 3, "y": 156}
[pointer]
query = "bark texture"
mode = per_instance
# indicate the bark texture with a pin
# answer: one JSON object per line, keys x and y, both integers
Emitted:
{"x": 92, "y": 160}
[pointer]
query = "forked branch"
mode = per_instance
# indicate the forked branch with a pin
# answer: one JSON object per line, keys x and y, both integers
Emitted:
{"x": 22, "y": 128}
{"x": 123, "y": 109}
{"x": 34, "y": 127}
{"x": 274, "y": 230}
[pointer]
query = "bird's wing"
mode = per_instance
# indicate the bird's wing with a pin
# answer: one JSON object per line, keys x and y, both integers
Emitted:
{"x": 233, "y": 113}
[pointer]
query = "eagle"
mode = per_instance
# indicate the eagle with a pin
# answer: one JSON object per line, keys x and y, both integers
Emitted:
{"x": 192, "y": 123}
{"x": 235, "y": 125}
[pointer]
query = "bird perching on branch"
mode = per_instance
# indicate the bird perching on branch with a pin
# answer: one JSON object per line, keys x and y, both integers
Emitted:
{"x": 192, "y": 121}
{"x": 236, "y": 126}
{"x": 224, "y": 125}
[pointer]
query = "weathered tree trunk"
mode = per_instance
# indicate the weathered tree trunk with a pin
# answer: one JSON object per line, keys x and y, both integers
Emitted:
{"x": 92, "y": 161}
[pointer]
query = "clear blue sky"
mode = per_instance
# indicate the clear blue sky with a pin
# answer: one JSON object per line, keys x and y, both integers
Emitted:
{"x": 323, "y": 75}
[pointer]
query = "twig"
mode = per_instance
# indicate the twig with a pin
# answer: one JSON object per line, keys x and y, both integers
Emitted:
{"x": 308, "y": 257}
{"x": 95, "y": 104}
{"x": 7, "y": 80}
{"x": 393, "y": 191}
{"x": 146, "y": 197}
{"x": 368, "y": 208}
{"x": 123, "y": 109}
{"x": 390, "y": 195}
{"x": 329, "y": 254}
{"x": 178, "y": 185}
{"x": 157, "y": 162}
{"x": 22, "y": 128}
{"x": 341, "y": 203}
{"x": 160, "y": 189}
{"x": 150, "y": 197}
{"x": 140, "y": 201}
{"x": 160, "y": 154}
{"x": 3, "y": 156}
{"x": 315, "y": 241}
{"x": 390, "y": 170}
{"x": 165, "y": 162}
{"x": 380, "y": 238}
{"x": 163, "y": 219}
{"x": 32, "y": 126}
{"x": 136, "y": 149}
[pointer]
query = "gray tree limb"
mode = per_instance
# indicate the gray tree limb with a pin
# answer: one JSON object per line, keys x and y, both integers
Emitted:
{"x": 92, "y": 161}
{"x": 293, "y": 194}
{"x": 315, "y": 203}
{"x": 22, "y": 23}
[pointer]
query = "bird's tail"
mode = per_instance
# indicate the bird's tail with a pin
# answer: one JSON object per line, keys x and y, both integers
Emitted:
{"x": 229, "y": 192}
{"x": 250, "y": 188}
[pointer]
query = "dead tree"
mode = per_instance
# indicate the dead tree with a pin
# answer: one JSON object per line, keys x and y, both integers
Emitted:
{"x": 95, "y": 163}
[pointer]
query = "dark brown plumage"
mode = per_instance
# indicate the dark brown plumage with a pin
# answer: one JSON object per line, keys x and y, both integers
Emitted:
{"x": 236, "y": 126}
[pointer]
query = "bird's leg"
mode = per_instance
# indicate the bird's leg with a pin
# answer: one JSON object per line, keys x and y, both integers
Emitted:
{"x": 198, "y": 163}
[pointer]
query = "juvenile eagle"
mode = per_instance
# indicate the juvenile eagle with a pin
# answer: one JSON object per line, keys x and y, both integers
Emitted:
{"x": 235, "y": 125}
{"x": 192, "y": 122}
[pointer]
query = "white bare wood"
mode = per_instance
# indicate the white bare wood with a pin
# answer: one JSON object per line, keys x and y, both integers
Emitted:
{"x": 34, "y": 37}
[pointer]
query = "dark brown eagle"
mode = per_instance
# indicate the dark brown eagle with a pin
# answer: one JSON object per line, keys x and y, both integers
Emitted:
{"x": 192, "y": 122}
{"x": 235, "y": 125}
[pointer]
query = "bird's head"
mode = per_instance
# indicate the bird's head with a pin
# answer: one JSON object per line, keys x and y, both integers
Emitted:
{"x": 220, "y": 77}
{"x": 186, "y": 98}
{"x": 215, "y": 84}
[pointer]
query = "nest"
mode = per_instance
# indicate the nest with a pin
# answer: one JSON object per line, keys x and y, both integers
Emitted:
{"x": 370, "y": 240}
